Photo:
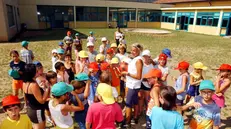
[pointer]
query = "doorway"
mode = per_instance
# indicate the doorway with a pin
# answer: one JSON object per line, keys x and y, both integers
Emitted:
{"x": 184, "y": 23}
{"x": 228, "y": 29}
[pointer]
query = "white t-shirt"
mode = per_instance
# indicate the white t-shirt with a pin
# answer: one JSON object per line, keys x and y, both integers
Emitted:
{"x": 121, "y": 57}
{"x": 146, "y": 69}
{"x": 53, "y": 60}
{"x": 65, "y": 79}
{"x": 118, "y": 35}
{"x": 104, "y": 49}
{"x": 164, "y": 71}
{"x": 91, "y": 39}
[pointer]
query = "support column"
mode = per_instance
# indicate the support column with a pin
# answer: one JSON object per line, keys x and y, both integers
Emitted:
{"x": 136, "y": 16}
{"x": 108, "y": 15}
{"x": 220, "y": 22}
{"x": 194, "y": 21}
{"x": 175, "y": 20}
{"x": 75, "y": 16}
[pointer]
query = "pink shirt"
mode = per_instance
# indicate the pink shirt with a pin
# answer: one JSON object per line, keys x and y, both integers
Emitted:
{"x": 104, "y": 116}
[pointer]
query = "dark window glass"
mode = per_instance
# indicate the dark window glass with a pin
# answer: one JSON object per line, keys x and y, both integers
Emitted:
{"x": 215, "y": 22}
{"x": 186, "y": 20}
{"x": 210, "y": 21}
{"x": 203, "y": 21}
{"x": 224, "y": 23}
{"x": 178, "y": 20}
{"x": 10, "y": 15}
{"x": 198, "y": 21}
{"x": 191, "y": 21}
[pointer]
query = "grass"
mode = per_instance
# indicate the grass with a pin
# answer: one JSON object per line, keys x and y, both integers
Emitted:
{"x": 211, "y": 50}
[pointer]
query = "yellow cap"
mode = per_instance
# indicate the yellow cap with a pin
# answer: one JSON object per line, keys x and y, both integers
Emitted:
{"x": 83, "y": 54}
{"x": 105, "y": 91}
{"x": 199, "y": 65}
{"x": 99, "y": 57}
{"x": 121, "y": 45}
{"x": 114, "y": 60}
{"x": 113, "y": 45}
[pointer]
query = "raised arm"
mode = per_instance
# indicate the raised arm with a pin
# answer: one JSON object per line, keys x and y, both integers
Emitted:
{"x": 38, "y": 95}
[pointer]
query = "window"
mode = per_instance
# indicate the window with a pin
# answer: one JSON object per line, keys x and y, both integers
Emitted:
{"x": 148, "y": 15}
{"x": 178, "y": 20}
{"x": 186, "y": 18}
{"x": 224, "y": 23}
{"x": 168, "y": 17}
{"x": 198, "y": 21}
{"x": 191, "y": 20}
{"x": 91, "y": 14}
{"x": 10, "y": 15}
{"x": 122, "y": 14}
{"x": 208, "y": 19}
{"x": 18, "y": 12}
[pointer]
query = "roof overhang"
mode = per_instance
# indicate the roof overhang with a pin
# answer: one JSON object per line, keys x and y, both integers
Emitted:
{"x": 198, "y": 8}
{"x": 177, "y": 1}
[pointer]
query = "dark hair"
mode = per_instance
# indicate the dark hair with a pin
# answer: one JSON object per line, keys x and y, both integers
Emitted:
{"x": 168, "y": 94}
{"x": 50, "y": 75}
{"x": 78, "y": 84}
{"x": 68, "y": 55}
{"x": 9, "y": 106}
{"x": 29, "y": 73}
{"x": 58, "y": 65}
{"x": 105, "y": 77}
{"x": 14, "y": 52}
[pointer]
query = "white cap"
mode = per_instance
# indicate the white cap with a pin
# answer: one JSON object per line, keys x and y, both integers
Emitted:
{"x": 90, "y": 44}
{"x": 126, "y": 60}
{"x": 103, "y": 39}
{"x": 54, "y": 51}
{"x": 146, "y": 53}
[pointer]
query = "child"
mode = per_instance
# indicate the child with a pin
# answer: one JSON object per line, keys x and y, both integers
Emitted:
{"x": 54, "y": 58}
{"x": 51, "y": 77}
{"x": 26, "y": 54}
{"x": 165, "y": 117}
{"x": 104, "y": 46}
{"x": 77, "y": 44}
{"x": 207, "y": 113}
{"x": 105, "y": 113}
{"x": 91, "y": 52}
{"x": 61, "y": 54}
{"x": 118, "y": 35}
{"x": 81, "y": 86}
{"x": 162, "y": 62}
{"x": 68, "y": 40}
{"x": 60, "y": 111}
{"x": 114, "y": 48}
{"x": 122, "y": 40}
{"x": 70, "y": 67}
{"x": 62, "y": 75}
{"x": 18, "y": 66}
{"x": 82, "y": 64}
{"x": 61, "y": 45}
{"x": 15, "y": 120}
{"x": 115, "y": 74}
{"x": 91, "y": 37}
{"x": 195, "y": 78}
{"x": 165, "y": 51}
{"x": 122, "y": 52}
{"x": 110, "y": 55}
{"x": 182, "y": 82}
{"x": 222, "y": 83}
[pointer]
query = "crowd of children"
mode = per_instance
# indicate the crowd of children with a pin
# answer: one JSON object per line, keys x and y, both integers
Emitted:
{"x": 96, "y": 86}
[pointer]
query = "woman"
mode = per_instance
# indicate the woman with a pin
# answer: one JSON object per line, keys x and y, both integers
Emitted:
{"x": 118, "y": 35}
{"x": 70, "y": 67}
{"x": 35, "y": 97}
{"x": 133, "y": 82}
{"x": 77, "y": 44}
{"x": 121, "y": 52}
{"x": 81, "y": 65}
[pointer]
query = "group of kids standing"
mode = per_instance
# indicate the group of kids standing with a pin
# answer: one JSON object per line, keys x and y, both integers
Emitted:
{"x": 96, "y": 85}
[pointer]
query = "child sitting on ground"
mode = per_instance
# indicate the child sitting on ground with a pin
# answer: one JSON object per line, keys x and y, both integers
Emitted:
{"x": 12, "y": 106}
{"x": 26, "y": 54}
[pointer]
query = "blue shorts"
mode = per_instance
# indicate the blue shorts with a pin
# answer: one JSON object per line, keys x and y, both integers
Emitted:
{"x": 193, "y": 90}
{"x": 132, "y": 97}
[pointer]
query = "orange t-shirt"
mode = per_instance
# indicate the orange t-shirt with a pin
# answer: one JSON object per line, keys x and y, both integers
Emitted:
{"x": 115, "y": 76}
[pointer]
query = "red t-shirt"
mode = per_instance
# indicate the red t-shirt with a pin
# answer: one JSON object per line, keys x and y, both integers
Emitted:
{"x": 115, "y": 77}
{"x": 103, "y": 116}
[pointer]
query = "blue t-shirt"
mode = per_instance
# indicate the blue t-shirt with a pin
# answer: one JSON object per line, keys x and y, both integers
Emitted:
{"x": 18, "y": 67}
{"x": 94, "y": 84}
{"x": 206, "y": 116}
{"x": 162, "y": 119}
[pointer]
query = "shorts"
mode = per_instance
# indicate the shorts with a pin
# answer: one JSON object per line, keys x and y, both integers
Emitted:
{"x": 132, "y": 97}
{"x": 193, "y": 90}
{"x": 68, "y": 50}
{"x": 117, "y": 42}
{"x": 36, "y": 116}
{"x": 17, "y": 84}
{"x": 143, "y": 87}
{"x": 179, "y": 102}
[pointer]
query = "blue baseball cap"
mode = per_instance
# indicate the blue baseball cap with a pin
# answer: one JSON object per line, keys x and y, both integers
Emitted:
{"x": 61, "y": 88}
{"x": 81, "y": 77}
{"x": 167, "y": 52}
{"x": 91, "y": 32}
{"x": 61, "y": 43}
{"x": 24, "y": 43}
{"x": 60, "y": 51}
{"x": 206, "y": 84}
{"x": 13, "y": 73}
{"x": 37, "y": 64}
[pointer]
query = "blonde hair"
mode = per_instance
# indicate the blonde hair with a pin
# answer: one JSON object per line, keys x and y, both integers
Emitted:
{"x": 138, "y": 46}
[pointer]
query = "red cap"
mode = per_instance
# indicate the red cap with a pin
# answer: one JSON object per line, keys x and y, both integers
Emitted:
{"x": 163, "y": 56}
{"x": 10, "y": 100}
{"x": 110, "y": 51}
{"x": 104, "y": 66}
{"x": 153, "y": 73}
{"x": 68, "y": 32}
{"x": 224, "y": 67}
{"x": 123, "y": 66}
{"x": 182, "y": 65}
{"x": 94, "y": 66}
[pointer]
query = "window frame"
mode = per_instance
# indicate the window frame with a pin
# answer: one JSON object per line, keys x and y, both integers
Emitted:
{"x": 12, "y": 13}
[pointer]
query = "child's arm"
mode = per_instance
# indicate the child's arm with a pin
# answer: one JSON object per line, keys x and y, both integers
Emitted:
{"x": 184, "y": 82}
{"x": 221, "y": 87}
{"x": 191, "y": 103}
{"x": 155, "y": 95}
{"x": 87, "y": 89}
{"x": 164, "y": 78}
{"x": 88, "y": 125}
{"x": 72, "y": 108}
{"x": 192, "y": 83}
{"x": 38, "y": 95}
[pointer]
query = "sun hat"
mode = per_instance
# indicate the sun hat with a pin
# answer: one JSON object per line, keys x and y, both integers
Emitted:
{"x": 61, "y": 43}
{"x": 162, "y": 56}
{"x": 60, "y": 51}
{"x": 114, "y": 60}
{"x": 37, "y": 64}
{"x": 182, "y": 65}
{"x": 114, "y": 45}
{"x": 54, "y": 51}
{"x": 83, "y": 54}
{"x": 10, "y": 100}
{"x": 90, "y": 44}
{"x": 91, "y": 32}
{"x": 81, "y": 77}
{"x": 121, "y": 45}
{"x": 104, "y": 66}
{"x": 146, "y": 53}
{"x": 153, "y": 73}
{"x": 100, "y": 57}
{"x": 61, "y": 88}
{"x": 110, "y": 51}
{"x": 206, "y": 84}
{"x": 76, "y": 34}
{"x": 105, "y": 91}
{"x": 13, "y": 73}
{"x": 167, "y": 52}
{"x": 24, "y": 43}
{"x": 94, "y": 66}
{"x": 199, "y": 65}
{"x": 103, "y": 39}
{"x": 224, "y": 67}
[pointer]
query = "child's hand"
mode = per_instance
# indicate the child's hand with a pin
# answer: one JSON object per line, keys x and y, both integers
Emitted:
{"x": 124, "y": 73}
{"x": 219, "y": 94}
{"x": 151, "y": 104}
{"x": 73, "y": 93}
{"x": 196, "y": 104}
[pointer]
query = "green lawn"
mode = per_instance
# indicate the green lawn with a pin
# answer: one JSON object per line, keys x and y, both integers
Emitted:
{"x": 211, "y": 50}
